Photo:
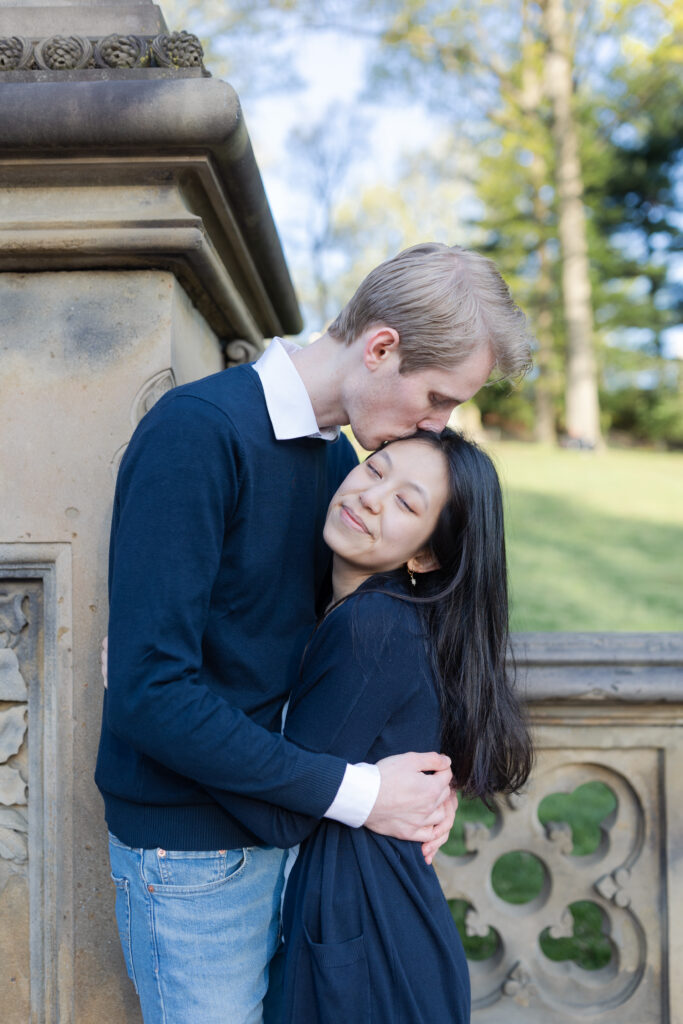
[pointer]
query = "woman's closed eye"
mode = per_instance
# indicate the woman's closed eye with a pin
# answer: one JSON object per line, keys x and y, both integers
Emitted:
{"x": 373, "y": 469}
{"x": 404, "y": 504}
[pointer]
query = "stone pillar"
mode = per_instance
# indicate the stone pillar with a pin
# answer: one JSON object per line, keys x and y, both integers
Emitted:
{"x": 137, "y": 251}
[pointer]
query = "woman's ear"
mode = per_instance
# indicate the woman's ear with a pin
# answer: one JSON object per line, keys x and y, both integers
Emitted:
{"x": 423, "y": 561}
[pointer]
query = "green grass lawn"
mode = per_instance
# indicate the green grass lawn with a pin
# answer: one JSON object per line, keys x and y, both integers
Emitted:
{"x": 595, "y": 541}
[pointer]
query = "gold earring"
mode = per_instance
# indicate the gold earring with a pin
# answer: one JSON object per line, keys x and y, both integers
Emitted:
{"x": 413, "y": 581}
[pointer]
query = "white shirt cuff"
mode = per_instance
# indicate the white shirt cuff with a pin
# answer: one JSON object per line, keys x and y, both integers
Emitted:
{"x": 356, "y": 796}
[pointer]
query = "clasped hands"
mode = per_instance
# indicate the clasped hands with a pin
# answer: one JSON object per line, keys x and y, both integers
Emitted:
{"x": 404, "y": 787}
{"x": 413, "y": 805}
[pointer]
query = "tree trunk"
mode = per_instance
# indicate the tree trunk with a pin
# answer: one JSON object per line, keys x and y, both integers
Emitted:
{"x": 582, "y": 409}
{"x": 530, "y": 102}
{"x": 544, "y": 394}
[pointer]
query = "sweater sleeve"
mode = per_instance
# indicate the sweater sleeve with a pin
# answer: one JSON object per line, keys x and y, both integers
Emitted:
{"x": 177, "y": 493}
{"x": 362, "y": 666}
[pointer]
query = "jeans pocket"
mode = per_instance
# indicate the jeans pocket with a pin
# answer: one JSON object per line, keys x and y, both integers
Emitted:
{"x": 122, "y": 907}
{"x": 191, "y": 873}
{"x": 340, "y": 980}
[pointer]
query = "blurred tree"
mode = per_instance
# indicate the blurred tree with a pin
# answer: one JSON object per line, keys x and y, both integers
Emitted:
{"x": 582, "y": 412}
{"x": 320, "y": 159}
{"x": 573, "y": 115}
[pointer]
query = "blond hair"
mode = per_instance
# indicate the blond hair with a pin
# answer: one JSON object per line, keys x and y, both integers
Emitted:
{"x": 444, "y": 302}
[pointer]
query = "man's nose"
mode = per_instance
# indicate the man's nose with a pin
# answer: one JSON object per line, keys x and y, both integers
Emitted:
{"x": 435, "y": 422}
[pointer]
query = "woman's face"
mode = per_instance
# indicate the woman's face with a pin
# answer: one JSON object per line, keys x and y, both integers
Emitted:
{"x": 386, "y": 509}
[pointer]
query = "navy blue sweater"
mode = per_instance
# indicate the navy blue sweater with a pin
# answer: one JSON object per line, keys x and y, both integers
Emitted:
{"x": 216, "y": 558}
{"x": 368, "y": 932}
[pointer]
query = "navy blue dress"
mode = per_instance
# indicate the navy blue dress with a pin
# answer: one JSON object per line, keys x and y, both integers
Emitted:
{"x": 369, "y": 937}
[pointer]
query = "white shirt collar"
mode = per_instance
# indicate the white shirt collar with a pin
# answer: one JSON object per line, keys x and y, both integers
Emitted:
{"x": 289, "y": 407}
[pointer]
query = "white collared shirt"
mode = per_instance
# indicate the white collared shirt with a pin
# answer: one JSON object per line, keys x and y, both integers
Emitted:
{"x": 291, "y": 415}
{"x": 289, "y": 407}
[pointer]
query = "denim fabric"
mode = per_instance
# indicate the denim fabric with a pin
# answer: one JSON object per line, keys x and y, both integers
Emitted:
{"x": 198, "y": 930}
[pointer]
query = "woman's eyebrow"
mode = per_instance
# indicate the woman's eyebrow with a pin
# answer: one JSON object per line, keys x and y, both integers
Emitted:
{"x": 420, "y": 490}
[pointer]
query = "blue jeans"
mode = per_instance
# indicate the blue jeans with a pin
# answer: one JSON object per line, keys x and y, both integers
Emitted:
{"x": 198, "y": 930}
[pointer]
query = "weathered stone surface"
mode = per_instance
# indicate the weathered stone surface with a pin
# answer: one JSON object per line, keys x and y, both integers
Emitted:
{"x": 12, "y": 685}
{"x": 221, "y": 242}
{"x": 13, "y": 845}
{"x": 12, "y": 618}
{"x": 12, "y": 786}
{"x": 13, "y": 727}
{"x": 14, "y": 952}
{"x": 90, "y": 19}
{"x": 12, "y": 817}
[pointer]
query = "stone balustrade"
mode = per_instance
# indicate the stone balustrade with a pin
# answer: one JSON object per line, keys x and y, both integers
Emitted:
{"x": 598, "y": 937}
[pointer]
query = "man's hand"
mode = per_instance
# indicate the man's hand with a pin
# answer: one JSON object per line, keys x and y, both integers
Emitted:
{"x": 443, "y": 829}
{"x": 410, "y": 804}
{"x": 103, "y": 660}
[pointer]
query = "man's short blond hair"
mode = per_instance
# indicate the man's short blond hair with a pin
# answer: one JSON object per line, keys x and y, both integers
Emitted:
{"x": 444, "y": 302}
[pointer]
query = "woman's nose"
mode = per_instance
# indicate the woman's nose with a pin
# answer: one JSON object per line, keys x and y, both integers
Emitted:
{"x": 371, "y": 499}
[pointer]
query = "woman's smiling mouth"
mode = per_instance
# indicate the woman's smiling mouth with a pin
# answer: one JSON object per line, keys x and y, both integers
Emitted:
{"x": 353, "y": 521}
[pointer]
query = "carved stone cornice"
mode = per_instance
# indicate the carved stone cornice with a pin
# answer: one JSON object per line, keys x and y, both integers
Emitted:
{"x": 24, "y": 59}
{"x": 627, "y": 669}
{"x": 128, "y": 172}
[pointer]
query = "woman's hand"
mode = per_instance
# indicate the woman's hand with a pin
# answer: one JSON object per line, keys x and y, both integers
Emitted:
{"x": 443, "y": 829}
{"x": 103, "y": 660}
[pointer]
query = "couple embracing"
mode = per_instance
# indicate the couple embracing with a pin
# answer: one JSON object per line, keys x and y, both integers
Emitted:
{"x": 254, "y": 562}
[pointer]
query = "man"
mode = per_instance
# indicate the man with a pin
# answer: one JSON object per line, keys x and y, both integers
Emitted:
{"x": 216, "y": 561}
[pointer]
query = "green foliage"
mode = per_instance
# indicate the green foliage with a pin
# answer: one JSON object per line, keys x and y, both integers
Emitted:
{"x": 518, "y": 877}
{"x": 583, "y": 810}
{"x": 476, "y": 947}
{"x": 652, "y": 414}
{"x": 588, "y": 947}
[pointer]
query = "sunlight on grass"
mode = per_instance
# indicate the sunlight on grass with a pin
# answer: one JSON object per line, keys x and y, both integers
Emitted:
{"x": 595, "y": 541}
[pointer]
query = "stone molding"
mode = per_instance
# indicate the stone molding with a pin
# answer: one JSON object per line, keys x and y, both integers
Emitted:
{"x": 622, "y": 668}
{"x": 181, "y": 134}
{"x": 36, "y": 20}
{"x": 45, "y": 664}
{"x": 605, "y": 708}
{"x": 114, "y": 52}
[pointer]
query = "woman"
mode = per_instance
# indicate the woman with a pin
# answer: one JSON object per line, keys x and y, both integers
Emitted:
{"x": 409, "y": 656}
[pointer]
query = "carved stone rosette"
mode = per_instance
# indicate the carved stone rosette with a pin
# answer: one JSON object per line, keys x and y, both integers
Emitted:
{"x": 180, "y": 50}
{"x": 148, "y": 395}
{"x": 16, "y": 54}
{"x": 241, "y": 351}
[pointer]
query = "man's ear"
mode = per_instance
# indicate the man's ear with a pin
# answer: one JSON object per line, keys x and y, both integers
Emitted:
{"x": 378, "y": 344}
{"x": 423, "y": 561}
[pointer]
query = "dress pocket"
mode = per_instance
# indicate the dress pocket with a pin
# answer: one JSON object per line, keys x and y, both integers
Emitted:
{"x": 340, "y": 982}
{"x": 122, "y": 908}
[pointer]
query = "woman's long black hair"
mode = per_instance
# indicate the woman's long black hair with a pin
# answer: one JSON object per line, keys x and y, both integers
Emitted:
{"x": 464, "y": 605}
